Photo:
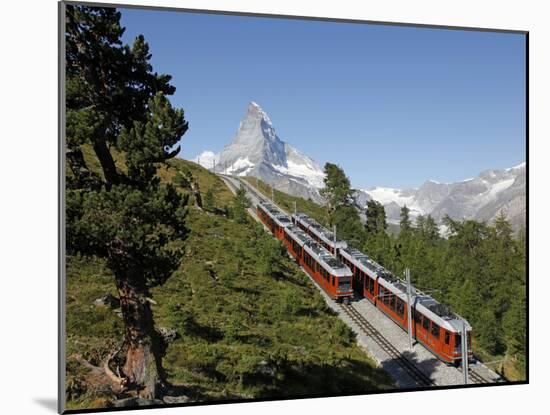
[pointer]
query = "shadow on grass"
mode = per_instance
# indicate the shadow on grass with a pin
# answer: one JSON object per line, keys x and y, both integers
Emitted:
{"x": 349, "y": 376}
{"x": 203, "y": 331}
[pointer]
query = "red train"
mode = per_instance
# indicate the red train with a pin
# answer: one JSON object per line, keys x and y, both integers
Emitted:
{"x": 434, "y": 325}
{"x": 331, "y": 274}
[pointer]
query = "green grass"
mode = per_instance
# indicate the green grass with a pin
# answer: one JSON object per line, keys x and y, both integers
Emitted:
{"x": 242, "y": 334}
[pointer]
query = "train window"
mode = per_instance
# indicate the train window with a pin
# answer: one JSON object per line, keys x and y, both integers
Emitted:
{"x": 344, "y": 284}
{"x": 400, "y": 307}
{"x": 392, "y": 302}
{"x": 435, "y": 330}
{"x": 426, "y": 323}
{"x": 458, "y": 340}
{"x": 447, "y": 337}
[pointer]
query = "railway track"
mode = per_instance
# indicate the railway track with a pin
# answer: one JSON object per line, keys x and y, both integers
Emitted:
{"x": 475, "y": 377}
{"x": 414, "y": 372}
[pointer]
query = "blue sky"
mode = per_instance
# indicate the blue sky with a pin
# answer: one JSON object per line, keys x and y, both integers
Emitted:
{"x": 394, "y": 106}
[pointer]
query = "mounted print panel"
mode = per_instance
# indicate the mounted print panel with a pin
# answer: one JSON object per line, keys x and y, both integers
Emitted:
{"x": 261, "y": 207}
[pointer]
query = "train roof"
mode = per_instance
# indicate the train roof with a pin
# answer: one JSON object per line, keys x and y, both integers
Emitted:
{"x": 363, "y": 261}
{"x": 323, "y": 233}
{"x": 439, "y": 313}
{"x": 276, "y": 214}
{"x": 328, "y": 261}
{"x": 298, "y": 235}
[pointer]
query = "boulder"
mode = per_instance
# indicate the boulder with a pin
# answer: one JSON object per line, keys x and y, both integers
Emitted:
{"x": 172, "y": 400}
{"x": 167, "y": 334}
{"x": 108, "y": 300}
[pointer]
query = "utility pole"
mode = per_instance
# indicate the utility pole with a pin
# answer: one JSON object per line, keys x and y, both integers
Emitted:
{"x": 294, "y": 207}
{"x": 464, "y": 352}
{"x": 198, "y": 160}
{"x": 334, "y": 238}
{"x": 214, "y": 163}
{"x": 409, "y": 307}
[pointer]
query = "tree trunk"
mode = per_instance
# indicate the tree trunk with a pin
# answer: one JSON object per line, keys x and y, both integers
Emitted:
{"x": 143, "y": 359}
{"x": 107, "y": 163}
{"x": 197, "y": 194}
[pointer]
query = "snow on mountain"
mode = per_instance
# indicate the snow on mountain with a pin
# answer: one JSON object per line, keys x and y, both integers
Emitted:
{"x": 257, "y": 151}
{"x": 482, "y": 197}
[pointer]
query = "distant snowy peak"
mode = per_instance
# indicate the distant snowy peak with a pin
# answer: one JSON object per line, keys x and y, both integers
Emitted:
{"x": 481, "y": 197}
{"x": 256, "y": 150}
{"x": 518, "y": 167}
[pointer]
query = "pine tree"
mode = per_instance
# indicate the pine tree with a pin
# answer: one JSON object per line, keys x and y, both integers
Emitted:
{"x": 340, "y": 209}
{"x": 115, "y": 102}
{"x": 271, "y": 256}
{"x": 431, "y": 230}
{"x": 376, "y": 218}
{"x": 209, "y": 201}
{"x": 240, "y": 204}
{"x": 405, "y": 224}
{"x": 337, "y": 191}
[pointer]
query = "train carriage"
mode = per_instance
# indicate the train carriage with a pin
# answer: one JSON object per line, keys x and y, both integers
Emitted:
{"x": 273, "y": 218}
{"x": 364, "y": 271}
{"x": 331, "y": 274}
{"x": 318, "y": 232}
{"x": 433, "y": 324}
{"x": 439, "y": 329}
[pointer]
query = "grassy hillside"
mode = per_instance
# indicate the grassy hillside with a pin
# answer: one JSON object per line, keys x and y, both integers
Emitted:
{"x": 240, "y": 333}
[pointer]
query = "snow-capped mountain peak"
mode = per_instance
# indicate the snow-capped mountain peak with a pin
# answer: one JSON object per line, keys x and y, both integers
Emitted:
{"x": 256, "y": 150}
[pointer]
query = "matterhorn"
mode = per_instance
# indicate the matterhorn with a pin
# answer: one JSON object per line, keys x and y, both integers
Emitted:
{"x": 257, "y": 151}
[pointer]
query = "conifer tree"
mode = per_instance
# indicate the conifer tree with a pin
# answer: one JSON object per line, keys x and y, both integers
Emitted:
{"x": 340, "y": 208}
{"x": 117, "y": 104}
{"x": 405, "y": 225}
{"x": 209, "y": 201}
{"x": 337, "y": 190}
{"x": 240, "y": 204}
{"x": 376, "y": 218}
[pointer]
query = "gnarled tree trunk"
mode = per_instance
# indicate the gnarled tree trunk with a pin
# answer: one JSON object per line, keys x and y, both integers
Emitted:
{"x": 143, "y": 359}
